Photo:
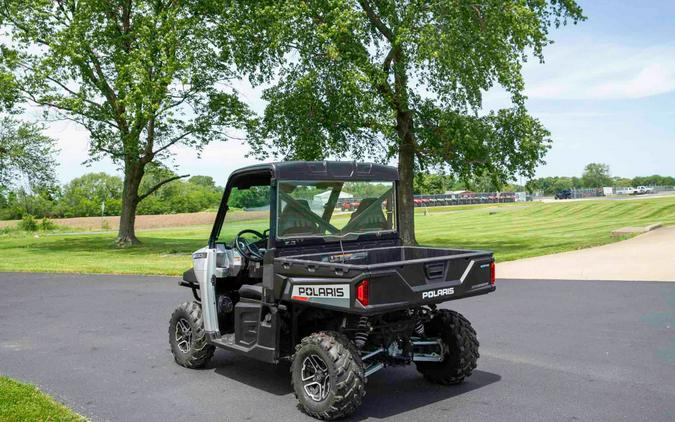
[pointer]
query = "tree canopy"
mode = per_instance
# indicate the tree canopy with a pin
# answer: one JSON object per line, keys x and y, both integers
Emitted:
{"x": 85, "y": 195}
{"x": 25, "y": 153}
{"x": 399, "y": 80}
{"x": 596, "y": 175}
{"x": 141, "y": 76}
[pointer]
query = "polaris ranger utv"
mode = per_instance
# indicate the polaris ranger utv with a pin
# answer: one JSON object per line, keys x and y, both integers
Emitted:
{"x": 332, "y": 292}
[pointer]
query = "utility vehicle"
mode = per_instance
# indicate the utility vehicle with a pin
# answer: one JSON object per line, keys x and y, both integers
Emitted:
{"x": 333, "y": 292}
{"x": 564, "y": 194}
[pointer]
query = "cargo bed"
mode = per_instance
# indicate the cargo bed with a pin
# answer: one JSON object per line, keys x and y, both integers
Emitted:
{"x": 398, "y": 276}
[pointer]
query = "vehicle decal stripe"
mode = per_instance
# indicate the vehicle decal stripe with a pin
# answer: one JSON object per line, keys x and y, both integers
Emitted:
{"x": 466, "y": 272}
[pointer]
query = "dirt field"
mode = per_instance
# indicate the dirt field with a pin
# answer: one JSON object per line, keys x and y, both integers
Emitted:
{"x": 149, "y": 221}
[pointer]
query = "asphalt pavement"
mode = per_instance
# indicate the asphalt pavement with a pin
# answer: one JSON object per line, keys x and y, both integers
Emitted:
{"x": 550, "y": 351}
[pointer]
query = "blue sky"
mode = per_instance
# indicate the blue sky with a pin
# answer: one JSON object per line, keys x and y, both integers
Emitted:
{"x": 606, "y": 92}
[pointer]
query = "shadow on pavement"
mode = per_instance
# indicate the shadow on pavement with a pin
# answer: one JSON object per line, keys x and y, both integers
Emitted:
{"x": 388, "y": 393}
{"x": 273, "y": 379}
{"x": 398, "y": 390}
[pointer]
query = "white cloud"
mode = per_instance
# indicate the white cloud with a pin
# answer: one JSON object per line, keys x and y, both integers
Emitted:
{"x": 600, "y": 71}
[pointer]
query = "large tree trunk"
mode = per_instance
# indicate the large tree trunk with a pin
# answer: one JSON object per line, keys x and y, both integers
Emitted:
{"x": 126, "y": 236}
{"x": 406, "y": 163}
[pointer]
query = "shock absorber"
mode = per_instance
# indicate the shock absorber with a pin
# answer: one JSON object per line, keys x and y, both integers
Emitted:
{"x": 419, "y": 327}
{"x": 361, "y": 335}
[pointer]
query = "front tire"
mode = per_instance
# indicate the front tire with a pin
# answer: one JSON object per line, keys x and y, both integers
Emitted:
{"x": 188, "y": 338}
{"x": 327, "y": 376}
{"x": 461, "y": 348}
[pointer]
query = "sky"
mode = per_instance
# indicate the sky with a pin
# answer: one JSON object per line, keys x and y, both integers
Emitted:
{"x": 606, "y": 92}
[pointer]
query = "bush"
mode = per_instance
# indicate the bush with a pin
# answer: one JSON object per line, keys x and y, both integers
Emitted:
{"x": 28, "y": 223}
{"x": 47, "y": 224}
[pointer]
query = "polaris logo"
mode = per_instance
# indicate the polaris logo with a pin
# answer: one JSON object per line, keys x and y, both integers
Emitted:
{"x": 438, "y": 293}
{"x": 321, "y": 291}
{"x": 328, "y": 291}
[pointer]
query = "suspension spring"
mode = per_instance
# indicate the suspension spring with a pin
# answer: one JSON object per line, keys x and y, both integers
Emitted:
{"x": 419, "y": 327}
{"x": 362, "y": 330}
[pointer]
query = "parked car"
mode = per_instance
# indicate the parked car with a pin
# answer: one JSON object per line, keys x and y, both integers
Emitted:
{"x": 350, "y": 205}
{"x": 563, "y": 194}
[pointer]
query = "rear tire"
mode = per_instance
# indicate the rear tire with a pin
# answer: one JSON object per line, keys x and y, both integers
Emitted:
{"x": 327, "y": 376}
{"x": 461, "y": 348}
{"x": 188, "y": 338}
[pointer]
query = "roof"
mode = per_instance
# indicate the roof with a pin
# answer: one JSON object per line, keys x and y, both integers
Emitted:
{"x": 322, "y": 170}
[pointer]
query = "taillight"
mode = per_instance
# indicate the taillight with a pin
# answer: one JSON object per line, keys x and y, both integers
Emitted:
{"x": 492, "y": 273}
{"x": 362, "y": 292}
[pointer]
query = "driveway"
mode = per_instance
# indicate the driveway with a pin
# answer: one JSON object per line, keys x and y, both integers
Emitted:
{"x": 649, "y": 256}
{"x": 553, "y": 351}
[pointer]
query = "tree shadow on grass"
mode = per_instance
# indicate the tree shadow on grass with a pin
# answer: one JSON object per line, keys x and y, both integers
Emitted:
{"x": 105, "y": 244}
{"x": 390, "y": 392}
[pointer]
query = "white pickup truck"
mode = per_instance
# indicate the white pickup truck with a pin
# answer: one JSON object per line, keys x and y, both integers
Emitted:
{"x": 640, "y": 190}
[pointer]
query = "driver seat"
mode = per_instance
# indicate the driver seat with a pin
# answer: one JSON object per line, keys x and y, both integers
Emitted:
{"x": 251, "y": 291}
{"x": 374, "y": 220}
{"x": 292, "y": 221}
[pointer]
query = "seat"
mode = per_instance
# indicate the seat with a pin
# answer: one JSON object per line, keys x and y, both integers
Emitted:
{"x": 292, "y": 221}
{"x": 251, "y": 291}
{"x": 374, "y": 220}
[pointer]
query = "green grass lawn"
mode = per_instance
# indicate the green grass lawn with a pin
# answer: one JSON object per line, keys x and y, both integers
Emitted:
{"x": 512, "y": 231}
{"x": 24, "y": 402}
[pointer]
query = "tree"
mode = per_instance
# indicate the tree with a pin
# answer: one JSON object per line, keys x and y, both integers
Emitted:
{"x": 255, "y": 196}
{"x": 21, "y": 202}
{"x": 140, "y": 75}
{"x": 432, "y": 183}
{"x": 398, "y": 79}
{"x": 204, "y": 181}
{"x": 551, "y": 185}
{"x": 196, "y": 194}
{"x": 83, "y": 196}
{"x": 622, "y": 182}
{"x": 596, "y": 175}
{"x": 654, "y": 180}
{"x": 25, "y": 153}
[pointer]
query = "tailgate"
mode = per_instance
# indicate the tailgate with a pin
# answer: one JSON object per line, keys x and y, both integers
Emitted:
{"x": 430, "y": 280}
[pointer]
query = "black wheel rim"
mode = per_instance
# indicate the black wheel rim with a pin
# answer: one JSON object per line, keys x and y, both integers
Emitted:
{"x": 183, "y": 335}
{"x": 315, "y": 378}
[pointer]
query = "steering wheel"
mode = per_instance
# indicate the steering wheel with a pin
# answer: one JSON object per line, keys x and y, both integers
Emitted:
{"x": 246, "y": 248}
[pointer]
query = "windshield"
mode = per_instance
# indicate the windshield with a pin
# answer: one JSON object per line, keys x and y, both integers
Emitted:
{"x": 334, "y": 209}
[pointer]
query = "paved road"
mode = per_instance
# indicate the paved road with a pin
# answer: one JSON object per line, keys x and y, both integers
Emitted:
{"x": 650, "y": 256}
{"x": 550, "y": 351}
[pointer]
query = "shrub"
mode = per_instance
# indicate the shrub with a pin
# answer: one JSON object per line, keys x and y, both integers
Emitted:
{"x": 47, "y": 224}
{"x": 28, "y": 223}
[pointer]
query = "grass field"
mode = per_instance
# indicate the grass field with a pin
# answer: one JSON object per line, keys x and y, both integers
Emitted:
{"x": 512, "y": 231}
{"x": 24, "y": 402}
